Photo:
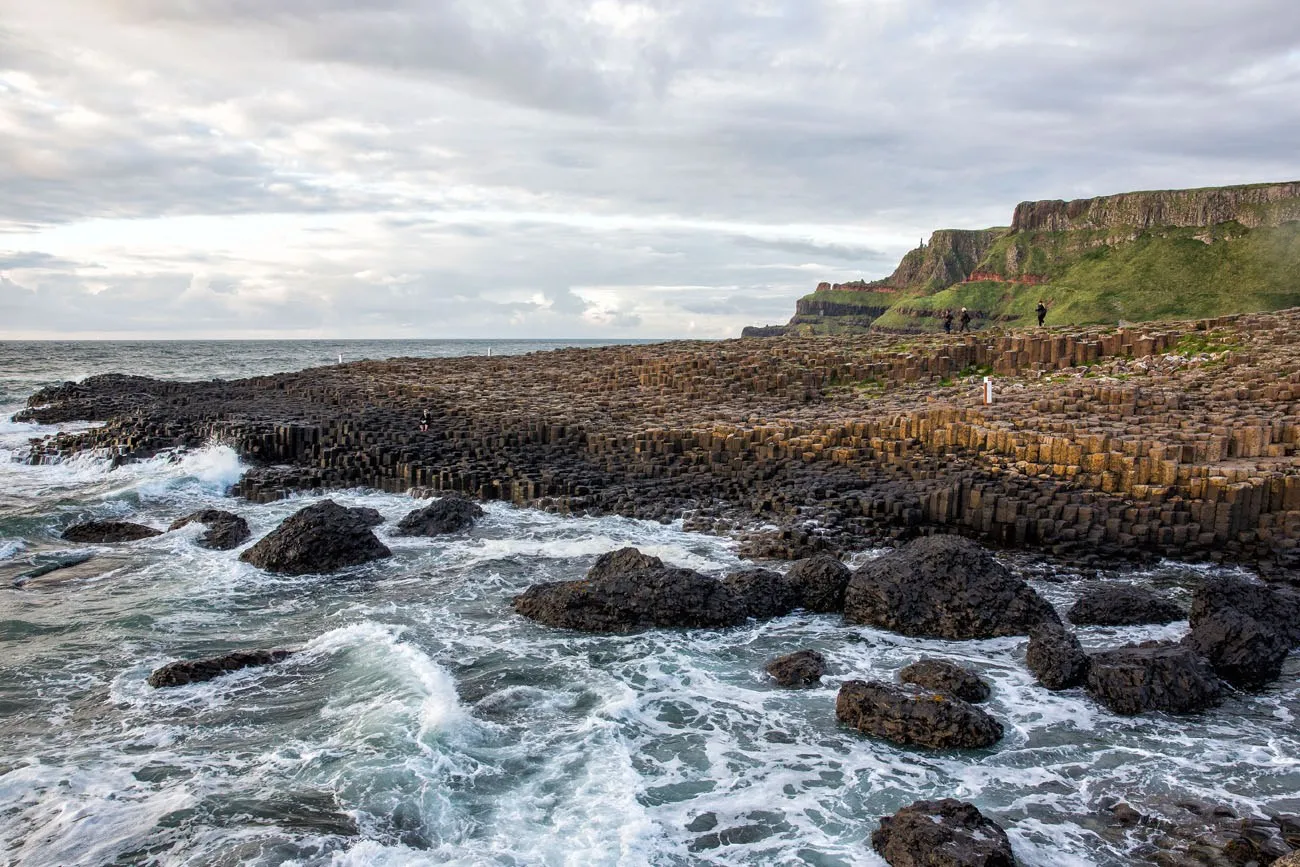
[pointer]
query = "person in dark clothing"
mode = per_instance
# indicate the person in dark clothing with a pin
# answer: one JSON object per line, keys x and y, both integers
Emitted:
{"x": 424, "y": 421}
{"x": 947, "y": 322}
{"x": 1041, "y": 310}
{"x": 965, "y": 320}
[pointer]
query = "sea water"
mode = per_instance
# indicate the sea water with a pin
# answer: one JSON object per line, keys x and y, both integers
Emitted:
{"x": 423, "y": 722}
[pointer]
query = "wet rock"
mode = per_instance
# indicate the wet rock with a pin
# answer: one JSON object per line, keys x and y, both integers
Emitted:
{"x": 1274, "y": 607}
{"x": 199, "y": 670}
{"x": 225, "y": 530}
{"x": 1243, "y": 651}
{"x": 1055, "y": 656}
{"x": 943, "y": 587}
{"x": 946, "y": 833}
{"x": 101, "y": 532}
{"x": 765, "y": 593}
{"x": 626, "y": 591}
{"x": 941, "y": 675}
{"x": 1153, "y": 675}
{"x": 907, "y": 715}
{"x": 820, "y": 583}
{"x": 447, "y": 515}
{"x": 319, "y": 538}
{"x": 368, "y": 516}
{"x": 1122, "y": 605}
{"x": 801, "y": 668}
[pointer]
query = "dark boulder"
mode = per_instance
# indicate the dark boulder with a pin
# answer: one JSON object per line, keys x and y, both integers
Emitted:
{"x": 1153, "y": 675}
{"x": 946, "y": 833}
{"x": 819, "y": 583}
{"x": 764, "y": 592}
{"x": 626, "y": 591}
{"x": 907, "y": 715}
{"x": 368, "y": 516}
{"x": 1122, "y": 605}
{"x": 319, "y": 538}
{"x": 196, "y": 671}
{"x": 1274, "y": 607}
{"x": 941, "y": 675}
{"x": 447, "y": 515}
{"x": 943, "y": 587}
{"x": 225, "y": 530}
{"x": 801, "y": 668}
{"x": 1056, "y": 657}
{"x": 1243, "y": 651}
{"x": 101, "y": 532}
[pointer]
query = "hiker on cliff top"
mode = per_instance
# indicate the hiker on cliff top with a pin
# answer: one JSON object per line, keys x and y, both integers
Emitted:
{"x": 965, "y": 320}
{"x": 1041, "y": 310}
{"x": 947, "y": 322}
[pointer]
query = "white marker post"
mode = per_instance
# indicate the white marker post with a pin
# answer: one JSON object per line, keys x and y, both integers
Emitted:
{"x": 988, "y": 389}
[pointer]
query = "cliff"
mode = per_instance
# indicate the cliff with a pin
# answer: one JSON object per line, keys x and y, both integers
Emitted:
{"x": 1132, "y": 256}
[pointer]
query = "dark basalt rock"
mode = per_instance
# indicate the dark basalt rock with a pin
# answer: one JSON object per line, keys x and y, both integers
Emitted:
{"x": 225, "y": 530}
{"x": 946, "y": 833}
{"x": 764, "y": 592}
{"x": 906, "y": 715}
{"x": 368, "y": 516}
{"x": 319, "y": 538}
{"x": 820, "y": 583}
{"x": 1243, "y": 651}
{"x": 196, "y": 671}
{"x": 1275, "y": 607}
{"x": 1122, "y": 605}
{"x": 101, "y": 532}
{"x": 941, "y": 675}
{"x": 1153, "y": 675}
{"x": 623, "y": 594}
{"x": 801, "y": 668}
{"x": 943, "y": 587}
{"x": 1056, "y": 657}
{"x": 447, "y": 515}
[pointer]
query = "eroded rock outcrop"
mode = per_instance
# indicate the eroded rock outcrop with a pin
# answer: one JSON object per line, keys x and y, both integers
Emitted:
{"x": 108, "y": 532}
{"x": 323, "y": 537}
{"x": 764, "y": 593}
{"x": 183, "y": 672}
{"x": 1055, "y": 656}
{"x": 943, "y": 587}
{"x": 447, "y": 515}
{"x": 801, "y": 668}
{"x": 942, "y": 675}
{"x": 1122, "y": 605}
{"x": 1153, "y": 676}
{"x": 911, "y": 716}
{"x": 946, "y": 833}
{"x": 225, "y": 530}
{"x": 1244, "y": 628}
{"x": 820, "y": 583}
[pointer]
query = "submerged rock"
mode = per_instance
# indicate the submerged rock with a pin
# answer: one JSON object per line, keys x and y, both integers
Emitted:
{"x": 765, "y": 593}
{"x": 907, "y": 715}
{"x": 102, "y": 532}
{"x": 1153, "y": 675}
{"x": 946, "y": 833}
{"x": 819, "y": 582}
{"x": 225, "y": 530}
{"x": 1122, "y": 605}
{"x": 196, "y": 671}
{"x": 1055, "y": 656}
{"x": 943, "y": 587}
{"x": 447, "y": 515}
{"x": 941, "y": 675}
{"x": 319, "y": 538}
{"x": 626, "y": 591}
{"x": 801, "y": 668}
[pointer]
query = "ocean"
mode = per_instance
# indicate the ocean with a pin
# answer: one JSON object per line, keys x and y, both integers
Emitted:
{"x": 423, "y": 722}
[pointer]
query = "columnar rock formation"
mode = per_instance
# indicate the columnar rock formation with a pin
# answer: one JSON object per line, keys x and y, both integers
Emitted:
{"x": 1175, "y": 438}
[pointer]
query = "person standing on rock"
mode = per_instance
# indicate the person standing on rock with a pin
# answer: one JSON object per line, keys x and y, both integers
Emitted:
{"x": 424, "y": 421}
{"x": 965, "y": 320}
{"x": 947, "y": 321}
{"x": 1041, "y": 310}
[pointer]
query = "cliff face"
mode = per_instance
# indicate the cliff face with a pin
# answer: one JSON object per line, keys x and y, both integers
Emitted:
{"x": 1254, "y": 206}
{"x": 949, "y": 258}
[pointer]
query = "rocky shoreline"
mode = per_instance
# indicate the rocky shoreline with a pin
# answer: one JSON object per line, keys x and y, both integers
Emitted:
{"x": 1170, "y": 439}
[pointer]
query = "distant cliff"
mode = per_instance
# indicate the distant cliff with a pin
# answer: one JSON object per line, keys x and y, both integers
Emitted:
{"x": 1133, "y": 256}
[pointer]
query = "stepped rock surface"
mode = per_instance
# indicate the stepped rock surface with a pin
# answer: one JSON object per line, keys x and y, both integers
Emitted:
{"x": 322, "y": 537}
{"x": 1173, "y": 439}
{"x": 946, "y": 833}
{"x": 943, "y": 587}
{"x": 910, "y": 716}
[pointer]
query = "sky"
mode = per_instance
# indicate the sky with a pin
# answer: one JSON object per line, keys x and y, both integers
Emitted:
{"x": 578, "y": 168}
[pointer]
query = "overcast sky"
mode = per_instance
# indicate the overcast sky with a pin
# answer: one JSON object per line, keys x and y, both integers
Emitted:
{"x": 578, "y": 168}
